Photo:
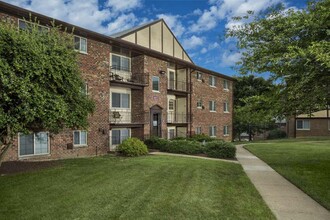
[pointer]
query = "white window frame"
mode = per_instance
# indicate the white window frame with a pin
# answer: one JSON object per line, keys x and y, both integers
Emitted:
{"x": 169, "y": 101}
{"x": 169, "y": 129}
{"x": 198, "y": 130}
{"x": 212, "y": 82}
{"x": 34, "y": 154}
{"x": 199, "y": 103}
{"x": 303, "y": 127}
{"x": 152, "y": 83}
{"x": 225, "y": 85}
{"x": 121, "y": 103}
{"x": 86, "y": 89}
{"x": 213, "y": 109}
{"x": 121, "y": 56}
{"x": 226, "y": 130}
{"x": 199, "y": 76}
{"x": 120, "y": 129}
{"x": 80, "y": 145}
{"x": 80, "y": 38}
{"x": 213, "y": 131}
{"x": 226, "y": 107}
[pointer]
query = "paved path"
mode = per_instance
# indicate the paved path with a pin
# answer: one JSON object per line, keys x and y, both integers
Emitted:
{"x": 191, "y": 156}
{"x": 283, "y": 198}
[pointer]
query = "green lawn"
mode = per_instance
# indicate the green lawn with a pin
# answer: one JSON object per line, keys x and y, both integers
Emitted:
{"x": 304, "y": 162}
{"x": 152, "y": 187}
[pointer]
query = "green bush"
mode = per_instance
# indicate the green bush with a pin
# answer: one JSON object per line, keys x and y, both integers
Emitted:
{"x": 184, "y": 147}
{"x": 220, "y": 149}
{"x": 132, "y": 147}
{"x": 276, "y": 134}
{"x": 156, "y": 143}
{"x": 201, "y": 138}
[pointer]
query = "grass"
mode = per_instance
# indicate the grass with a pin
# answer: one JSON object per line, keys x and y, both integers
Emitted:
{"x": 151, "y": 187}
{"x": 304, "y": 162}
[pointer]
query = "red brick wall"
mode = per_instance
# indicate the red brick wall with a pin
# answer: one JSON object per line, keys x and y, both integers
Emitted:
{"x": 203, "y": 117}
{"x": 318, "y": 127}
{"x": 95, "y": 71}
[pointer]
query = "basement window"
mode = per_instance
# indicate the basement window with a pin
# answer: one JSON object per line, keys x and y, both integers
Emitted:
{"x": 80, "y": 138}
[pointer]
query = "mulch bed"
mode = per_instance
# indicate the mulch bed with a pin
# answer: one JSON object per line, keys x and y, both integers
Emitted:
{"x": 14, "y": 167}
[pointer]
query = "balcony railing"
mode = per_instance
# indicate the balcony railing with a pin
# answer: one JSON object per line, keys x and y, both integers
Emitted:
{"x": 119, "y": 116}
{"x": 173, "y": 117}
{"x": 181, "y": 86}
{"x": 120, "y": 74}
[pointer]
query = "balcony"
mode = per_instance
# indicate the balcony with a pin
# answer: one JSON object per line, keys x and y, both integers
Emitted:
{"x": 125, "y": 76}
{"x": 177, "y": 118}
{"x": 178, "y": 86}
{"x": 127, "y": 118}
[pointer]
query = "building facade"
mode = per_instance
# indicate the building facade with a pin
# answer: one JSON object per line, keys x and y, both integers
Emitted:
{"x": 143, "y": 83}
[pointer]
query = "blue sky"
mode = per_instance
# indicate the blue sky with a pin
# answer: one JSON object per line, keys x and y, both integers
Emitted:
{"x": 198, "y": 24}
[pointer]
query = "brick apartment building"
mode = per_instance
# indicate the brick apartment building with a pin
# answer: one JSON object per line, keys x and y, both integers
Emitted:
{"x": 143, "y": 83}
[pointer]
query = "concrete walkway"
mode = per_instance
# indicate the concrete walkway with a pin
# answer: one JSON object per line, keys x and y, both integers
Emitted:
{"x": 284, "y": 199}
{"x": 191, "y": 156}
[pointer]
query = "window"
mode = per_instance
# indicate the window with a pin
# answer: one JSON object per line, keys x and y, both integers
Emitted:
{"x": 25, "y": 25}
{"x": 171, "y": 104}
{"x": 212, "y": 106}
{"x": 213, "y": 131}
{"x": 80, "y": 44}
{"x": 155, "y": 83}
{"x": 33, "y": 144}
{"x": 119, "y": 62}
{"x": 212, "y": 81}
{"x": 199, "y": 130}
{"x": 199, "y": 103}
{"x": 119, "y": 135}
{"x": 225, "y": 84}
{"x": 171, "y": 133}
{"x": 225, "y": 107}
{"x": 120, "y": 100}
{"x": 303, "y": 125}
{"x": 84, "y": 89}
{"x": 80, "y": 138}
{"x": 199, "y": 76}
{"x": 225, "y": 130}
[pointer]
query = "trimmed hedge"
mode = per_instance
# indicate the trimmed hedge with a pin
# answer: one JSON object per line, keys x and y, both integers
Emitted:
{"x": 132, "y": 147}
{"x": 220, "y": 149}
{"x": 276, "y": 134}
{"x": 184, "y": 147}
{"x": 201, "y": 138}
{"x": 156, "y": 143}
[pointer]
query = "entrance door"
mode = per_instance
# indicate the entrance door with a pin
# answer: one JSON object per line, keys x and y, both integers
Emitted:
{"x": 156, "y": 121}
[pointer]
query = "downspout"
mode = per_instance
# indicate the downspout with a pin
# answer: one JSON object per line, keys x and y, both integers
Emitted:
{"x": 190, "y": 115}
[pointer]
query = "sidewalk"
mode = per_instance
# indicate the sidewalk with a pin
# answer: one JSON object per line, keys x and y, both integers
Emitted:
{"x": 284, "y": 199}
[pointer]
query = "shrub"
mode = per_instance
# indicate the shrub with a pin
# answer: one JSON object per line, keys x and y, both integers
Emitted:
{"x": 156, "y": 143}
{"x": 201, "y": 138}
{"x": 220, "y": 149}
{"x": 184, "y": 147}
{"x": 132, "y": 147}
{"x": 276, "y": 134}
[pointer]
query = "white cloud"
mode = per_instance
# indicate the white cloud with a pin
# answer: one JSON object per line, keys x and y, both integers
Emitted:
{"x": 230, "y": 59}
{"x": 174, "y": 23}
{"x": 192, "y": 42}
{"x": 124, "y": 5}
{"x": 203, "y": 50}
{"x": 123, "y": 22}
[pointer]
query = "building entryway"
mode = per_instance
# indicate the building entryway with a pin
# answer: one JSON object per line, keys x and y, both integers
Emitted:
{"x": 156, "y": 121}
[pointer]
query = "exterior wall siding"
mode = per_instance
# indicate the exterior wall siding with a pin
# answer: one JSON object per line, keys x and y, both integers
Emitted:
{"x": 318, "y": 127}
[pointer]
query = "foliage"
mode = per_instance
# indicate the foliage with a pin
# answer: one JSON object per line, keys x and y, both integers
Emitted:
{"x": 276, "y": 134}
{"x": 184, "y": 147}
{"x": 294, "y": 46}
{"x": 156, "y": 143}
{"x": 132, "y": 147}
{"x": 201, "y": 138}
{"x": 40, "y": 82}
{"x": 220, "y": 149}
{"x": 255, "y": 105}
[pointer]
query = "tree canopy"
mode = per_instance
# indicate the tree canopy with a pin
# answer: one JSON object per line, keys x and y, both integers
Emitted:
{"x": 40, "y": 82}
{"x": 293, "y": 46}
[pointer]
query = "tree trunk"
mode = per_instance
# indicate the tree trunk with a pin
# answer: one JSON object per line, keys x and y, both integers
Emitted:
{"x": 4, "y": 149}
{"x": 7, "y": 142}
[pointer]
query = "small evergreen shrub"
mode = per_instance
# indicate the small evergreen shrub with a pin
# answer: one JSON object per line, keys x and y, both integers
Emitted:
{"x": 202, "y": 138}
{"x": 132, "y": 147}
{"x": 276, "y": 134}
{"x": 184, "y": 147}
{"x": 220, "y": 149}
{"x": 156, "y": 143}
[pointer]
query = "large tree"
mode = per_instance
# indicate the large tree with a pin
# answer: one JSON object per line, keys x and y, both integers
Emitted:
{"x": 40, "y": 82}
{"x": 293, "y": 46}
{"x": 255, "y": 105}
